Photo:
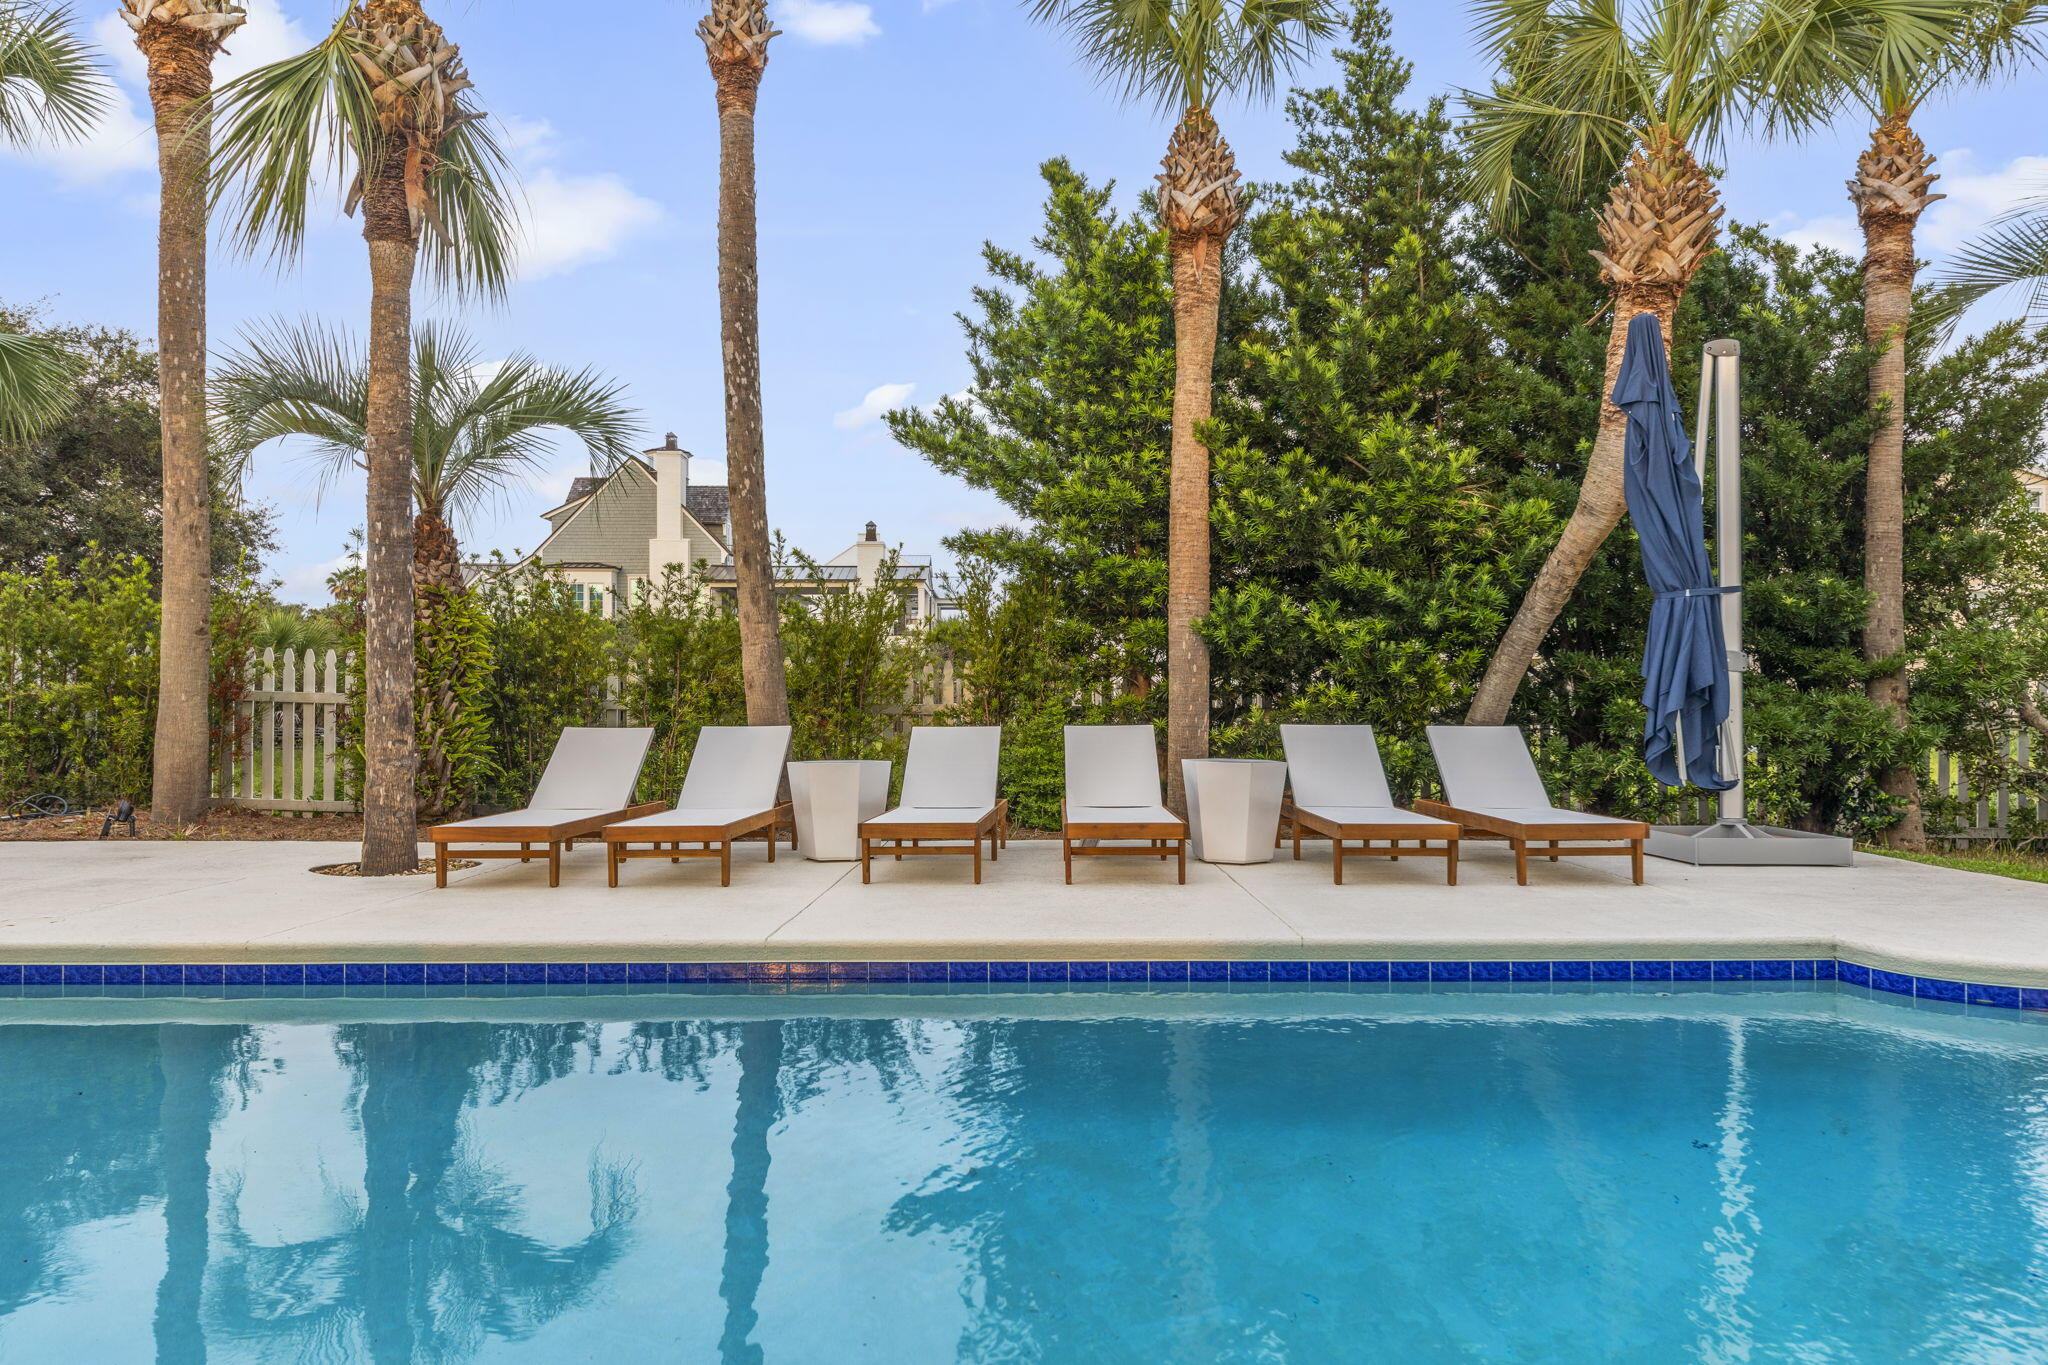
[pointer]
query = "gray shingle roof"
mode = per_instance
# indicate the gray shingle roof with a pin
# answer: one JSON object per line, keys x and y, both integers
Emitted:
{"x": 708, "y": 503}
{"x": 583, "y": 487}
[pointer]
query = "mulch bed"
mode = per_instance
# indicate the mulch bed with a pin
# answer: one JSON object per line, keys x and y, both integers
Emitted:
{"x": 425, "y": 869}
{"x": 227, "y": 822}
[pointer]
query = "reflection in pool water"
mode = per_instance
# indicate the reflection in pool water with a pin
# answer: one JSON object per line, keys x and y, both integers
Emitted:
{"x": 1109, "y": 1178}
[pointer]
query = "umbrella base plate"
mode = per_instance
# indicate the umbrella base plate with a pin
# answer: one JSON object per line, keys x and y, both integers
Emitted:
{"x": 1748, "y": 846}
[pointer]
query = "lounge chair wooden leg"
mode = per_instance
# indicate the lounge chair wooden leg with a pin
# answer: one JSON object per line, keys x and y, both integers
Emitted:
{"x": 1451, "y": 864}
{"x": 1397, "y": 857}
{"x": 977, "y": 862}
{"x": 1553, "y": 850}
{"x": 1297, "y": 841}
{"x": 1067, "y": 857}
{"x": 863, "y": 861}
{"x": 611, "y": 863}
{"x": 1521, "y": 862}
{"x": 1635, "y": 858}
{"x": 771, "y": 843}
{"x": 1337, "y": 859}
{"x": 1183, "y": 862}
{"x": 554, "y": 864}
{"x": 441, "y": 865}
{"x": 725, "y": 863}
{"x": 525, "y": 849}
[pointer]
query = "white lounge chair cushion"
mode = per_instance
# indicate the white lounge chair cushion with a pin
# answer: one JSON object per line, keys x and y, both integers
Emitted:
{"x": 532, "y": 815}
{"x": 1335, "y": 765}
{"x": 1121, "y": 815}
{"x": 1487, "y": 767}
{"x": 594, "y": 767}
{"x": 1546, "y": 815}
{"x": 695, "y": 817}
{"x": 934, "y": 815}
{"x": 1369, "y": 815}
{"x": 735, "y": 766}
{"x": 952, "y": 766}
{"x": 1112, "y": 765}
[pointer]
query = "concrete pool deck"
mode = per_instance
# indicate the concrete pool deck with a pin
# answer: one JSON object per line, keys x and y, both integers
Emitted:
{"x": 220, "y": 902}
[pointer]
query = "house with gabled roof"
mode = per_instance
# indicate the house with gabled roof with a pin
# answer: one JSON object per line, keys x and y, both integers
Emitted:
{"x": 615, "y": 533}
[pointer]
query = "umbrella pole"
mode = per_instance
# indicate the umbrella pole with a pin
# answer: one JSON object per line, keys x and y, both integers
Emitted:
{"x": 1726, "y": 358}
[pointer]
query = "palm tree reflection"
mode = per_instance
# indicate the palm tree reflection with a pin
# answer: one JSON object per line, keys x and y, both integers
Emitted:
{"x": 427, "y": 1264}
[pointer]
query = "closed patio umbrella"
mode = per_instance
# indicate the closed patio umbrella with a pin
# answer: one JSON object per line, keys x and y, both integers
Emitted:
{"x": 1685, "y": 679}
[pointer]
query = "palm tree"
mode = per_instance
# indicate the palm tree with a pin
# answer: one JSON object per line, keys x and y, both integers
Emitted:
{"x": 50, "y": 90}
{"x": 475, "y": 429}
{"x": 179, "y": 40}
{"x": 384, "y": 94}
{"x": 1184, "y": 55}
{"x": 1892, "y": 187}
{"x": 736, "y": 34}
{"x": 1595, "y": 93}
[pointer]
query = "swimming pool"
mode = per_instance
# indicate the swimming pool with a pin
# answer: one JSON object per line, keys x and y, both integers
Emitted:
{"x": 1796, "y": 1172}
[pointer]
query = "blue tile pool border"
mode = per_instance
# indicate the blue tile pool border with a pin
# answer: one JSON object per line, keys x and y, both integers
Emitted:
{"x": 270, "y": 977}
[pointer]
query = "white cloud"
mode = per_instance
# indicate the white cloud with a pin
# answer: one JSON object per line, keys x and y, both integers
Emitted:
{"x": 570, "y": 220}
{"x": 1836, "y": 231}
{"x": 308, "y": 582}
{"x": 1976, "y": 197}
{"x": 879, "y": 400}
{"x": 833, "y": 22}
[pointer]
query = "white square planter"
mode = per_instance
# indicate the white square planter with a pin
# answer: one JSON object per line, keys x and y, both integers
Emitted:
{"x": 831, "y": 798}
{"x": 1233, "y": 807}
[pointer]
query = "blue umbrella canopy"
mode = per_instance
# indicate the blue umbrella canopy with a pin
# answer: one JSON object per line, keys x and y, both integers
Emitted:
{"x": 1685, "y": 660}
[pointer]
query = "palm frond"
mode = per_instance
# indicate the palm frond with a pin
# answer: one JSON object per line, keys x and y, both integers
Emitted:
{"x": 293, "y": 379}
{"x": 286, "y": 132}
{"x": 1883, "y": 55}
{"x": 2011, "y": 254}
{"x": 1180, "y": 54}
{"x": 475, "y": 430}
{"x": 36, "y": 376}
{"x": 51, "y": 86}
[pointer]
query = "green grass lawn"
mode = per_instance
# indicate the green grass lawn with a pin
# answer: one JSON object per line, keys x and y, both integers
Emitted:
{"x": 2026, "y": 867}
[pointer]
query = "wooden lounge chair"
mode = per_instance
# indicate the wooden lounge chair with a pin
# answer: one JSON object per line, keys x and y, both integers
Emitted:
{"x": 1113, "y": 792}
{"x": 587, "y": 785}
{"x": 1491, "y": 785}
{"x": 949, "y": 799}
{"x": 1340, "y": 792}
{"x": 728, "y": 793}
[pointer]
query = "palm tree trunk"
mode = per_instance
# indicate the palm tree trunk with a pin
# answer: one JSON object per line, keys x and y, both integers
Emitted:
{"x": 1197, "y": 300}
{"x": 1199, "y": 207}
{"x": 740, "y": 334}
{"x": 180, "y": 78}
{"x": 390, "y": 758}
{"x": 437, "y": 577}
{"x": 1890, "y": 191}
{"x": 1598, "y": 511}
{"x": 1657, "y": 228}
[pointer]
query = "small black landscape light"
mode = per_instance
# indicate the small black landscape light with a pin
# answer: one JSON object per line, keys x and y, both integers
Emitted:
{"x": 123, "y": 814}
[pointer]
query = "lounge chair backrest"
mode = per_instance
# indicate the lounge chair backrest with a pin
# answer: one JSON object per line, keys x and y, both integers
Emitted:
{"x": 735, "y": 767}
{"x": 952, "y": 767}
{"x": 1112, "y": 765}
{"x": 1335, "y": 765}
{"x": 1487, "y": 766}
{"x": 594, "y": 767}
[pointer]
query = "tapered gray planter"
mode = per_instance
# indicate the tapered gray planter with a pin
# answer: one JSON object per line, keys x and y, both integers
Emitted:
{"x": 1234, "y": 807}
{"x": 832, "y": 797}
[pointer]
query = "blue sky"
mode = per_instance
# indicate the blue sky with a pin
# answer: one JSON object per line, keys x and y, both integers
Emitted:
{"x": 895, "y": 137}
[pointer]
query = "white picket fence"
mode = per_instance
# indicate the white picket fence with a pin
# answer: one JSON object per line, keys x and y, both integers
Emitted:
{"x": 1987, "y": 814}
{"x": 283, "y": 748}
{"x": 283, "y": 753}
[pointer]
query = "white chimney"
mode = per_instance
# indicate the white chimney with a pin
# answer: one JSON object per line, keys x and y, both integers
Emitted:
{"x": 868, "y": 554}
{"x": 671, "y": 487}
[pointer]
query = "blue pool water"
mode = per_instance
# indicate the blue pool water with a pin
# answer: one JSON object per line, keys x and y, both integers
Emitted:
{"x": 1805, "y": 1174}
